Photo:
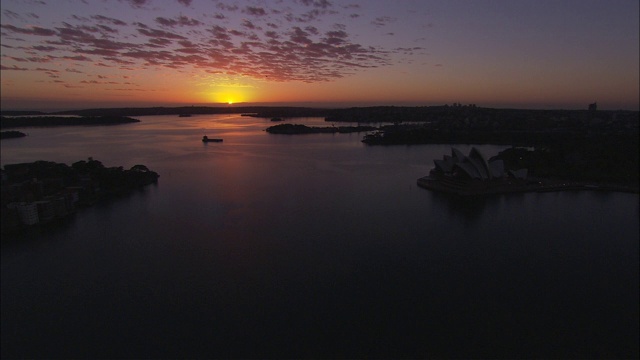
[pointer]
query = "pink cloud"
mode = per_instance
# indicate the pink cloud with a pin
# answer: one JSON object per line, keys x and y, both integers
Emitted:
{"x": 285, "y": 52}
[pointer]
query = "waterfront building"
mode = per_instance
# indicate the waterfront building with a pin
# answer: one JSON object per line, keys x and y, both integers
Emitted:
{"x": 471, "y": 174}
{"x": 59, "y": 205}
{"x": 28, "y": 213}
{"x": 473, "y": 166}
{"x": 46, "y": 210}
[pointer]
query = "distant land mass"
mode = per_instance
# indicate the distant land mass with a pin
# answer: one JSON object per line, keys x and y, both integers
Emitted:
{"x": 44, "y": 121}
{"x": 396, "y": 125}
{"x": 11, "y": 134}
{"x": 290, "y": 129}
{"x": 586, "y": 144}
{"x": 257, "y": 111}
{"x": 372, "y": 114}
{"x": 21, "y": 113}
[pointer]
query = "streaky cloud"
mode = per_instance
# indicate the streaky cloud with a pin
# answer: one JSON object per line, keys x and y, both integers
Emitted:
{"x": 254, "y": 11}
{"x": 113, "y": 21}
{"x": 181, "y": 21}
{"x": 14, "y": 67}
{"x": 33, "y": 30}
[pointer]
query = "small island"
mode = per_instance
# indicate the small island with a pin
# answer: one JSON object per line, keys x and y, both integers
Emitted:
{"x": 42, "y": 192}
{"x": 292, "y": 129}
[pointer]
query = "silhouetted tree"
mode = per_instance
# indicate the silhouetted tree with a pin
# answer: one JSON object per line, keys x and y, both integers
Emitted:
{"x": 140, "y": 168}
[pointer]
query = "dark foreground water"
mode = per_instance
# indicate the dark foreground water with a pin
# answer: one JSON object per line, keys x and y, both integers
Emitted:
{"x": 312, "y": 246}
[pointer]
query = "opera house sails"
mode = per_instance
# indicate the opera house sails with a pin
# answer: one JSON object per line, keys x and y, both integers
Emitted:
{"x": 472, "y": 174}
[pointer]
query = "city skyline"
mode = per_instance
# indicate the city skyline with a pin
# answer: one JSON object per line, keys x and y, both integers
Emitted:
{"x": 520, "y": 54}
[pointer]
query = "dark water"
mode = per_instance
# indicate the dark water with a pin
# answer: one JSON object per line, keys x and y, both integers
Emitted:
{"x": 312, "y": 246}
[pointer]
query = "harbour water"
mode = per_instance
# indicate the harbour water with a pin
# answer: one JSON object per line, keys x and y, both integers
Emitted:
{"x": 311, "y": 246}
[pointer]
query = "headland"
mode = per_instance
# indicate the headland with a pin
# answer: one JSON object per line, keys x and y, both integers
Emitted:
{"x": 518, "y": 170}
{"x": 42, "y": 192}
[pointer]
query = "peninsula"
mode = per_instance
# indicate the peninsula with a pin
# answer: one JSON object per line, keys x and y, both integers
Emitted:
{"x": 40, "y": 192}
{"x": 11, "y": 134}
{"x": 525, "y": 170}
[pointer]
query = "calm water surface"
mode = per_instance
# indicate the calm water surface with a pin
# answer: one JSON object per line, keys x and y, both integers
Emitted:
{"x": 311, "y": 246}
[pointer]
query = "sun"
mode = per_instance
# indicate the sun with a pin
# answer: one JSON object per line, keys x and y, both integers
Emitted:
{"x": 230, "y": 98}
{"x": 230, "y": 95}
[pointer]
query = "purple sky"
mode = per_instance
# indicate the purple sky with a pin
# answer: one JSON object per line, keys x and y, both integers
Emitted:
{"x": 533, "y": 54}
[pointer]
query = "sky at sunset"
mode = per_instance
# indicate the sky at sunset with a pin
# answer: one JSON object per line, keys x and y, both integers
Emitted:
{"x": 63, "y": 54}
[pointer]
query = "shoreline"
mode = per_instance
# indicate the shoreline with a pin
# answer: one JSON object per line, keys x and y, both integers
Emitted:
{"x": 541, "y": 185}
{"x": 40, "y": 193}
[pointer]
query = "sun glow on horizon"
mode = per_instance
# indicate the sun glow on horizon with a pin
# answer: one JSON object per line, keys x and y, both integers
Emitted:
{"x": 231, "y": 95}
{"x": 233, "y": 55}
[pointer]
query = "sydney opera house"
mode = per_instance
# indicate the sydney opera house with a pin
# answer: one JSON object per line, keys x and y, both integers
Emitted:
{"x": 471, "y": 174}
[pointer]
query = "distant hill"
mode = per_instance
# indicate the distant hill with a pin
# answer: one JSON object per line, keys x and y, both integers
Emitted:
{"x": 45, "y": 121}
{"x": 394, "y": 114}
{"x": 20, "y": 113}
{"x": 257, "y": 111}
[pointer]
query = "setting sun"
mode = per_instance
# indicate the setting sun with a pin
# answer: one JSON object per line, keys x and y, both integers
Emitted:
{"x": 230, "y": 99}
{"x": 333, "y": 53}
{"x": 231, "y": 95}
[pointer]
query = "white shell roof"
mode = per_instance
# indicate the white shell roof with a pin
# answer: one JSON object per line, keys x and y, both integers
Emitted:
{"x": 475, "y": 165}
